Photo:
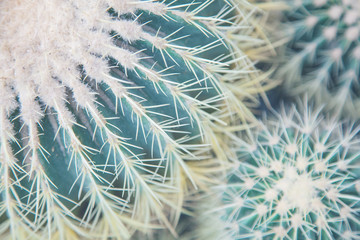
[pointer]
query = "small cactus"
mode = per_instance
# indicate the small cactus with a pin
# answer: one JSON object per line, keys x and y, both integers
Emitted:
{"x": 323, "y": 55}
{"x": 106, "y": 107}
{"x": 298, "y": 179}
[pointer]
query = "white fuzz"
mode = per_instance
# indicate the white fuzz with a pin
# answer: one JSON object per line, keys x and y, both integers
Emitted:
{"x": 261, "y": 209}
{"x": 311, "y": 187}
{"x": 347, "y": 2}
{"x": 356, "y": 52}
{"x": 298, "y": 3}
{"x": 311, "y": 21}
{"x": 274, "y": 140}
{"x": 351, "y": 16}
{"x": 311, "y": 47}
{"x": 258, "y": 235}
{"x": 330, "y": 32}
{"x": 280, "y": 232}
{"x": 320, "y": 3}
{"x": 271, "y": 194}
{"x": 300, "y": 193}
{"x": 320, "y": 167}
{"x": 352, "y": 33}
{"x": 263, "y": 172}
{"x": 357, "y": 186}
{"x": 336, "y": 54}
{"x": 335, "y": 12}
{"x": 277, "y": 166}
{"x": 291, "y": 148}
{"x": 296, "y": 220}
{"x": 239, "y": 202}
{"x": 301, "y": 163}
{"x": 249, "y": 183}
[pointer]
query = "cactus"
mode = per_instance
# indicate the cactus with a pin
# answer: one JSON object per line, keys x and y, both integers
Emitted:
{"x": 297, "y": 179}
{"x": 323, "y": 53}
{"x": 108, "y": 109}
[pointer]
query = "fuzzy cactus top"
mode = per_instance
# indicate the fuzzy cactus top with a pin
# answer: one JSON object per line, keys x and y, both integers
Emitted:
{"x": 297, "y": 178}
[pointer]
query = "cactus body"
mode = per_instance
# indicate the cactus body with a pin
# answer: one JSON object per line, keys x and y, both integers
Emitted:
{"x": 106, "y": 106}
{"x": 297, "y": 180}
{"x": 323, "y": 54}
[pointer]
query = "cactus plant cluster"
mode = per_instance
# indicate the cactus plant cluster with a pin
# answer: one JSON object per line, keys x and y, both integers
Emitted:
{"x": 298, "y": 179}
{"x": 108, "y": 106}
{"x": 125, "y": 119}
{"x": 323, "y": 53}
{"x": 297, "y": 176}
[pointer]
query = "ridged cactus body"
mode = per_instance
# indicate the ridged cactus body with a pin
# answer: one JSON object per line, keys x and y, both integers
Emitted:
{"x": 297, "y": 179}
{"x": 106, "y": 107}
{"x": 322, "y": 59}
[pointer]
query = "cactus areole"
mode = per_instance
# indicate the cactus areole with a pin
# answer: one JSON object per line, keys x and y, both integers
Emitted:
{"x": 324, "y": 53}
{"x": 102, "y": 105}
{"x": 299, "y": 180}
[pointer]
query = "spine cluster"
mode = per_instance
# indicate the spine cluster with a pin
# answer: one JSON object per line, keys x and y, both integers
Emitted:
{"x": 324, "y": 52}
{"x": 298, "y": 179}
{"x": 110, "y": 109}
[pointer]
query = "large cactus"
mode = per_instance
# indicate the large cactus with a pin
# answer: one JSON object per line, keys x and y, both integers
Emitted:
{"x": 324, "y": 52}
{"x": 297, "y": 179}
{"x": 108, "y": 107}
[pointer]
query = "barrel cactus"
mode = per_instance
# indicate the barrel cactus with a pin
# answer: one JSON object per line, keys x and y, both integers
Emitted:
{"x": 323, "y": 53}
{"x": 297, "y": 179}
{"x": 108, "y": 108}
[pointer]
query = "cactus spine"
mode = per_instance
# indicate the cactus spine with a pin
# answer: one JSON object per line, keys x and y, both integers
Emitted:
{"x": 107, "y": 106}
{"x": 297, "y": 179}
{"x": 323, "y": 53}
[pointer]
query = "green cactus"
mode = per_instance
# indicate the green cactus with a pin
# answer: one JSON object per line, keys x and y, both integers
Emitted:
{"x": 322, "y": 59}
{"x": 298, "y": 178}
{"x": 110, "y": 108}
